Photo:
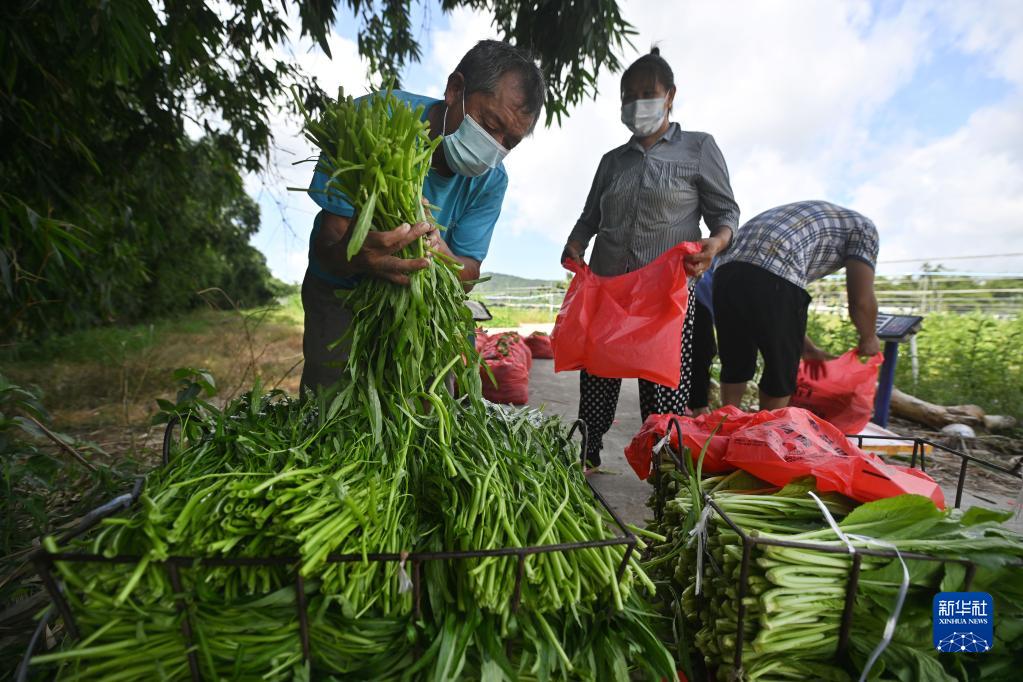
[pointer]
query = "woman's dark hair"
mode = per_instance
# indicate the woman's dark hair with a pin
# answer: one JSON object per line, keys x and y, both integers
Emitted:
{"x": 652, "y": 64}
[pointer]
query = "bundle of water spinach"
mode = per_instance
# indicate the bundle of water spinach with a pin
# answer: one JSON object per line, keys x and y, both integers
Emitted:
{"x": 390, "y": 462}
{"x": 795, "y": 597}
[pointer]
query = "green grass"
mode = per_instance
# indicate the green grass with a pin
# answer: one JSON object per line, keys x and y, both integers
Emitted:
{"x": 113, "y": 343}
{"x": 106, "y": 342}
{"x": 109, "y": 376}
{"x": 513, "y": 317}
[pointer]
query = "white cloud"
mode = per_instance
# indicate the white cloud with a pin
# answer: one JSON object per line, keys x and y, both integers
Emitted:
{"x": 959, "y": 195}
{"x": 994, "y": 29}
{"x": 465, "y": 28}
{"x": 789, "y": 90}
{"x": 286, "y": 215}
{"x": 792, "y": 92}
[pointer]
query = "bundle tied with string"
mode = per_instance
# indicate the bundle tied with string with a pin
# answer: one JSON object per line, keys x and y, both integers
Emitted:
{"x": 769, "y": 584}
{"x": 900, "y": 599}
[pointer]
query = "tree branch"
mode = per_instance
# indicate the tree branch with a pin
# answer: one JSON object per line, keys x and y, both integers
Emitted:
{"x": 64, "y": 446}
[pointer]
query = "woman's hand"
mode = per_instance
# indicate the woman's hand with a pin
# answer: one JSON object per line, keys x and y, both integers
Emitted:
{"x": 573, "y": 251}
{"x": 699, "y": 263}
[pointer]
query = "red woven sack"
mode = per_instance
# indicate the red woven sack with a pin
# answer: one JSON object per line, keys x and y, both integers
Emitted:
{"x": 540, "y": 346}
{"x": 843, "y": 395}
{"x": 509, "y": 360}
{"x": 628, "y": 326}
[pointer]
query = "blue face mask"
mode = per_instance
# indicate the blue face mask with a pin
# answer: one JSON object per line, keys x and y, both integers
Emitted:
{"x": 470, "y": 150}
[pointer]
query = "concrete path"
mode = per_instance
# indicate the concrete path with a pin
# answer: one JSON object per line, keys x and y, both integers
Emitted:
{"x": 559, "y": 394}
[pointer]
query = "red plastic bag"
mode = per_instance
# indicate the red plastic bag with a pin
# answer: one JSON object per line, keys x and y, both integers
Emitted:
{"x": 509, "y": 360}
{"x": 695, "y": 432}
{"x": 779, "y": 446}
{"x": 793, "y": 442}
{"x": 540, "y": 346}
{"x": 844, "y": 396}
{"x": 628, "y": 326}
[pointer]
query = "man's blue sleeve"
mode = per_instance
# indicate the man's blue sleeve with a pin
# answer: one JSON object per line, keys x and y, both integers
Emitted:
{"x": 330, "y": 199}
{"x": 471, "y": 235}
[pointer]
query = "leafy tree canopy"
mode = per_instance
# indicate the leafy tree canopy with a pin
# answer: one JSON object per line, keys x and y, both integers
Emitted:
{"x": 101, "y": 186}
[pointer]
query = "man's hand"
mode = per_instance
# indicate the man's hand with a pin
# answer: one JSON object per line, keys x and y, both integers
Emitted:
{"x": 469, "y": 267}
{"x": 376, "y": 258}
{"x": 814, "y": 359}
{"x": 573, "y": 251}
{"x": 869, "y": 347}
{"x": 699, "y": 263}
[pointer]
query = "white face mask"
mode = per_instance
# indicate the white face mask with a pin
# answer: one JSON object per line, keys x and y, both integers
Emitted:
{"x": 644, "y": 116}
{"x": 470, "y": 150}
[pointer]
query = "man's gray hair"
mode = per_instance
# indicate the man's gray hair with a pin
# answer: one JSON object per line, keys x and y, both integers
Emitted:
{"x": 488, "y": 60}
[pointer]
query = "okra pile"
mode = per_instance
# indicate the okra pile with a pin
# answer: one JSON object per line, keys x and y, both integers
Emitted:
{"x": 392, "y": 461}
{"x": 795, "y": 597}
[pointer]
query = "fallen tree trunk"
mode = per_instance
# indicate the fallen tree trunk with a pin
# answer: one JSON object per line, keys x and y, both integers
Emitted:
{"x": 920, "y": 411}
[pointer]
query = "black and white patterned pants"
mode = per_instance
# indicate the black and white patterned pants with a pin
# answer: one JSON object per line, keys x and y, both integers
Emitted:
{"x": 598, "y": 397}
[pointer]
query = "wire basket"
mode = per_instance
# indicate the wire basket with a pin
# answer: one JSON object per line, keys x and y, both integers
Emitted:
{"x": 44, "y": 564}
{"x": 920, "y": 448}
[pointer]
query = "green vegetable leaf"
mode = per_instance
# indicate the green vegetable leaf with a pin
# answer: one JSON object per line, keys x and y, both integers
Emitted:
{"x": 975, "y": 515}
{"x": 362, "y": 225}
{"x": 903, "y": 516}
{"x": 955, "y": 575}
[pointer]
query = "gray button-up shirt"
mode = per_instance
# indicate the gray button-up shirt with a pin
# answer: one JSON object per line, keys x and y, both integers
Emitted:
{"x": 644, "y": 202}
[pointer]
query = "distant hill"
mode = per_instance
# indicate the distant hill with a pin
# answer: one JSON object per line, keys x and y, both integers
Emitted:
{"x": 499, "y": 282}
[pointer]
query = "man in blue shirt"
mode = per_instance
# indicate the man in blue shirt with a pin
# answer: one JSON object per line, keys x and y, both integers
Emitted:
{"x": 492, "y": 101}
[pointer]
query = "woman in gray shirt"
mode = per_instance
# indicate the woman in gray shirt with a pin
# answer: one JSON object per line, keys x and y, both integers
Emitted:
{"x": 647, "y": 196}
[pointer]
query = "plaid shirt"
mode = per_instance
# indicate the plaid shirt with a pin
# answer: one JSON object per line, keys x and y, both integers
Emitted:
{"x": 805, "y": 241}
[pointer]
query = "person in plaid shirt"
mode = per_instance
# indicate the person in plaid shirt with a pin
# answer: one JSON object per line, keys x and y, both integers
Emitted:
{"x": 760, "y": 298}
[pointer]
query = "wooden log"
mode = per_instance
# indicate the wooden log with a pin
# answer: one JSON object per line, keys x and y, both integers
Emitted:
{"x": 920, "y": 411}
{"x": 999, "y": 422}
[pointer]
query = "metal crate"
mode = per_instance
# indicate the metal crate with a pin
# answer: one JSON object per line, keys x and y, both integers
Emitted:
{"x": 44, "y": 563}
{"x": 920, "y": 445}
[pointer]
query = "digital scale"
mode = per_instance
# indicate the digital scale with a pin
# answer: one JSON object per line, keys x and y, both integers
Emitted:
{"x": 897, "y": 328}
{"x": 480, "y": 312}
{"x": 893, "y": 330}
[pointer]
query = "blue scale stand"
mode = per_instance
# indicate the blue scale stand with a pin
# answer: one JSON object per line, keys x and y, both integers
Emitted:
{"x": 893, "y": 330}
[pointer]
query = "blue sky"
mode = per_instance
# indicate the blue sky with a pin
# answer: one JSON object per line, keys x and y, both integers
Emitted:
{"x": 909, "y": 112}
